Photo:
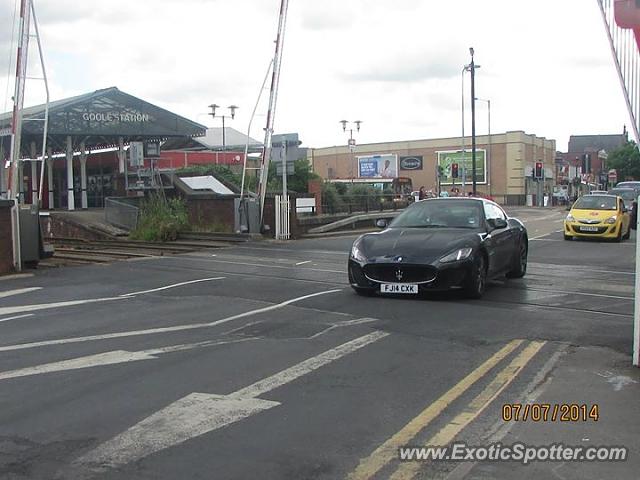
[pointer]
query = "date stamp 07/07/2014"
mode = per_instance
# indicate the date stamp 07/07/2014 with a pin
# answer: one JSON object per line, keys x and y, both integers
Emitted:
{"x": 550, "y": 412}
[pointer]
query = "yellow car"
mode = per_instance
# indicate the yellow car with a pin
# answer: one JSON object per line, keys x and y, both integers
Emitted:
{"x": 598, "y": 216}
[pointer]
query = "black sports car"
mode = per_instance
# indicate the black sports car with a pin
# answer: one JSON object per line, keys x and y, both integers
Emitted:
{"x": 438, "y": 244}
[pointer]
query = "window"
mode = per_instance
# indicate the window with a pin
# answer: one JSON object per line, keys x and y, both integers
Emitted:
{"x": 493, "y": 211}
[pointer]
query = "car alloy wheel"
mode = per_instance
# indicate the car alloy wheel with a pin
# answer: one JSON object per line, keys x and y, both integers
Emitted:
{"x": 478, "y": 278}
{"x": 521, "y": 263}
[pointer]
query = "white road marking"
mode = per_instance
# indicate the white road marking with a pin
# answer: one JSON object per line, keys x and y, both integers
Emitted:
{"x": 108, "y": 358}
{"x": 16, "y": 317}
{"x": 552, "y": 266}
{"x": 258, "y": 265}
{"x": 45, "y": 306}
{"x": 540, "y": 236}
{"x": 302, "y": 263}
{"x": 177, "y": 328}
{"x": 71, "y": 303}
{"x": 290, "y": 374}
{"x": 15, "y": 276}
{"x": 20, "y": 291}
{"x": 578, "y": 293}
{"x": 172, "y": 286}
{"x": 200, "y": 413}
{"x": 320, "y": 252}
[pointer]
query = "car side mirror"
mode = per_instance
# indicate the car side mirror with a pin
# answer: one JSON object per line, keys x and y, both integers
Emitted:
{"x": 497, "y": 223}
{"x": 381, "y": 223}
{"x": 568, "y": 209}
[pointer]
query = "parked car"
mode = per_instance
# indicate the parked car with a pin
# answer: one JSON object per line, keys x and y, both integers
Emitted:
{"x": 630, "y": 196}
{"x": 628, "y": 184}
{"x": 598, "y": 216}
{"x": 438, "y": 244}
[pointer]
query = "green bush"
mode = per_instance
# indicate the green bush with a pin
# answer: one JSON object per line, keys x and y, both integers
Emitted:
{"x": 363, "y": 197}
{"x": 332, "y": 201}
{"x": 160, "y": 219}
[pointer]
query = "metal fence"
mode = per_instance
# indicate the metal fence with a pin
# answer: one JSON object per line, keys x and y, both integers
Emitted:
{"x": 362, "y": 203}
{"x": 121, "y": 213}
{"x": 283, "y": 210}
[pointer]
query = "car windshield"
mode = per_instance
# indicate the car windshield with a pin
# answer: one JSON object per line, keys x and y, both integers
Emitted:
{"x": 627, "y": 195}
{"x": 596, "y": 202}
{"x": 440, "y": 214}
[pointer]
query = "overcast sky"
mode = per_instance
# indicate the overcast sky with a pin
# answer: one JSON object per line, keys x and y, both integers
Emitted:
{"x": 395, "y": 65}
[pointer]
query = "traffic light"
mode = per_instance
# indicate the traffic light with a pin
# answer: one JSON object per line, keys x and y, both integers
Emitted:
{"x": 454, "y": 170}
{"x": 539, "y": 170}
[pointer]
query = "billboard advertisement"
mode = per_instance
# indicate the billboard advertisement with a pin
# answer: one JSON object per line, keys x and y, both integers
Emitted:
{"x": 411, "y": 163}
{"x": 378, "y": 166}
{"x": 464, "y": 162}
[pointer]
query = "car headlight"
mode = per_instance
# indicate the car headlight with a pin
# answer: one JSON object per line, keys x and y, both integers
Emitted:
{"x": 460, "y": 254}
{"x": 611, "y": 220}
{"x": 356, "y": 253}
{"x": 570, "y": 218}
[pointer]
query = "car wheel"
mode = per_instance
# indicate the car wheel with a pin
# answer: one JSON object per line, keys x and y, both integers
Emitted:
{"x": 477, "y": 281}
{"x": 568, "y": 237}
{"x": 618, "y": 239}
{"x": 520, "y": 264}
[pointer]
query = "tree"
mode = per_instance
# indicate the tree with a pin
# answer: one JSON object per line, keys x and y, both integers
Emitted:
{"x": 626, "y": 160}
{"x": 298, "y": 182}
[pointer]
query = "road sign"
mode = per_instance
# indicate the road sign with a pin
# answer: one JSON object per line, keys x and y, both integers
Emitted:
{"x": 290, "y": 168}
{"x": 613, "y": 176}
{"x": 136, "y": 154}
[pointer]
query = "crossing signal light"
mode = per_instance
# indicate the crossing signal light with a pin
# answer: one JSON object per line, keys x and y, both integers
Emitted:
{"x": 454, "y": 170}
{"x": 539, "y": 170}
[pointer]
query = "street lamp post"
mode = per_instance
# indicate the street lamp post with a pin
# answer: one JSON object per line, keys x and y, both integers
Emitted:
{"x": 472, "y": 67}
{"x": 488, "y": 141}
{"x": 233, "y": 109}
{"x": 352, "y": 142}
{"x": 473, "y": 120}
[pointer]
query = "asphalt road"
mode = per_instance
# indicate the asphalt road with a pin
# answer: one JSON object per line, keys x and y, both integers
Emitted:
{"x": 258, "y": 361}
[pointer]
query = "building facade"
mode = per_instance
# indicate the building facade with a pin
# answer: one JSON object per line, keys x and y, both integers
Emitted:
{"x": 584, "y": 166}
{"x": 505, "y": 175}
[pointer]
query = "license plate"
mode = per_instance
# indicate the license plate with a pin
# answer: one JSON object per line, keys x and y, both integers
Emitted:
{"x": 398, "y": 288}
{"x": 588, "y": 229}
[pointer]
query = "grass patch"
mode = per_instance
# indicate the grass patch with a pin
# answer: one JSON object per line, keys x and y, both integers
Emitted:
{"x": 160, "y": 219}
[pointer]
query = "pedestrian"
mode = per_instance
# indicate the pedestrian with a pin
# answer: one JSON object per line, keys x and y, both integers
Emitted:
{"x": 421, "y": 193}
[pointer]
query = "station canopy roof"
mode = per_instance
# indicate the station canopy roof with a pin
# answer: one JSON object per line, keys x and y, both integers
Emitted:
{"x": 212, "y": 140}
{"x": 99, "y": 119}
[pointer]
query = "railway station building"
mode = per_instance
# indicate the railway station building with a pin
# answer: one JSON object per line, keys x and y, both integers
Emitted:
{"x": 86, "y": 156}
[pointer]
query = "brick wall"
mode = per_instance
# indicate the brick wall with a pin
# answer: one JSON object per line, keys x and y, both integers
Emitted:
{"x": 212, "y": 214}
{"x": 6, "y": 244}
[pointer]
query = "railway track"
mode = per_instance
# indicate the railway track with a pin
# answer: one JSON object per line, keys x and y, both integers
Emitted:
{"x": 73, "y": 251}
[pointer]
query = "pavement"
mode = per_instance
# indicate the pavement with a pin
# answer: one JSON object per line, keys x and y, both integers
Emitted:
{"x": 258, "y": 360}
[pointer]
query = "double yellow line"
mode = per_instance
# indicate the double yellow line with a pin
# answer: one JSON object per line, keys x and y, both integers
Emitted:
{"x": 388, "y": 451}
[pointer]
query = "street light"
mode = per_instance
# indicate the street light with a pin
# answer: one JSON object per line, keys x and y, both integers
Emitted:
{"x": 352, "y": 141}
{"x": 233, "y": 109}
{"x": 488, "y": 142}
{"x": 467, "y": 68}
{"x": 472, "y": 67}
